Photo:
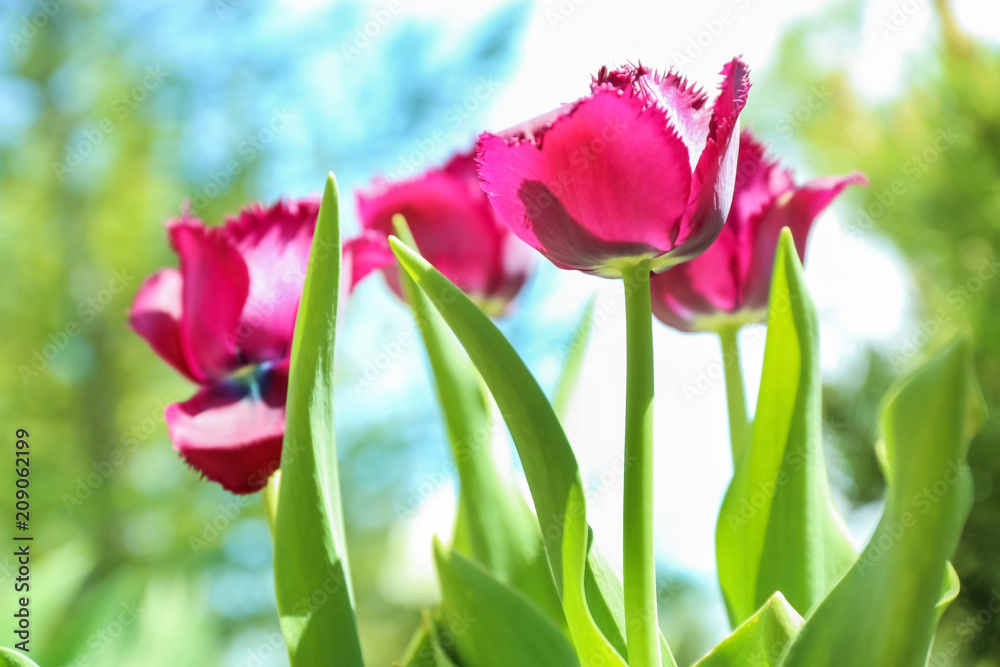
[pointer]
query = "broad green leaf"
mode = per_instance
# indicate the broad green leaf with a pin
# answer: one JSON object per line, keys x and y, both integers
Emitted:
{"x": 425, "y": 649}
{"x": 570, "y": 373}
{"x": 311, "y": 576}
{"x": 11, "y": 658}
{"x": 760, "y": 640}
{"x": 885, "y": 609}
{"x": 778, "y": 529}
{"x": 491, "y": 625}
{"x": 494, "y": 525}
{"x": 549, "y": 464}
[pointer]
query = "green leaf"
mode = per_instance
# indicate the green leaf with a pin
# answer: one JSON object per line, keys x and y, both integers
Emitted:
{"x": 760, "y": 640}
{"x": 549, "y": 464}
{"x": 570, "y": 373}
{"x": 425, "y": 648}
{"x": 491, "y": 625}
{"x": 885, "y": 609}
{"x": 778, "y": 529}
{"x": 11, "y": 658}
{"x": 494, "y": 525}
{"x": 311, "y": 576}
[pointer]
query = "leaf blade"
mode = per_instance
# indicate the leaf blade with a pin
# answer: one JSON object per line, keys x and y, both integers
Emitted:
{"x": 312, "y": 578}
{"x": 778, "y": 529}
{"x": 886, "y": 608}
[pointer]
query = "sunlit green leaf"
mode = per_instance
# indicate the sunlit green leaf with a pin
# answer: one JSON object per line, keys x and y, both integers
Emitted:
{"x": 760, "y": 640}
{"x": 312, "y": 580}
{"x": 11, "y": 658}
{"x": 494, "y": 525}
{"x": 491, "y": 625}
{"x": 425, "y": 649}
{"x": 549, "y": 464}
{"x": 885, "y": 609}
{"x": 778, "y": 529}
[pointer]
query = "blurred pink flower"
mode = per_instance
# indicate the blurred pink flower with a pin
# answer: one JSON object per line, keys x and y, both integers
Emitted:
{"x": 732, "y": 278}
{"x": 224, "y": 320}
{"x": 642, "y": 168}
{"x": 454, "y": 227}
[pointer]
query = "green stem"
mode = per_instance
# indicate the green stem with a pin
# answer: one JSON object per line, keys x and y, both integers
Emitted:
{"x": 739, "y": 425}
{"x": 641, "y": 627}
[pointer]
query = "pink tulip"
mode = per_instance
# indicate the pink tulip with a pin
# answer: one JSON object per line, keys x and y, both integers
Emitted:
{"x": 732, "y": 279}
{"x": 224, "y": 320}
{"x": 641, "y": 169}
{"x": 454, "y": 227}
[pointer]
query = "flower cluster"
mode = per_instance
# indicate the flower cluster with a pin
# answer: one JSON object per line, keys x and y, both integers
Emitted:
{"x": 645, "y": 168}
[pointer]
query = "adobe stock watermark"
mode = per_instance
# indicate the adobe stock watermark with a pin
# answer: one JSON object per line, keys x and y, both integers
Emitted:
{"x": 263, "y": 654}
{"x": 34, "y": 22}
{"x": 104, "y": 638}
{"x": 416, "y": 159}
{"x": 958, "y": 297}
{"x": 913, "y": 169}
{"x": 968, "y": 629}
{"x": 247, "y": 149}
{"x": 104, "y": 469}
{"x": 121, "y": 108}
{"x": 817, "y": 98}
{"x": 709, "y": 31}
{"x": 480, "y": 439}
{"x": 365, "y": 34}
{"x": 888, "y": 534}
{"x": 214, "y": 527}
{"x": 87, "y": 310}
{"x": 900, "y": 15}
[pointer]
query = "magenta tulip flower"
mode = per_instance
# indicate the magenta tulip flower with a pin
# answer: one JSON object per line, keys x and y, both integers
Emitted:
{"x": 642, "y": 169}
{"x": 730, "y": 282}
{"x": 224, "y": 320}
{"x": 454, "y": 227}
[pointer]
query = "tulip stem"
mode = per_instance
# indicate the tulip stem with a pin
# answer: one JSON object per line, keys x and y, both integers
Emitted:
{"x": 739, "y": 424}
{"x": 641, "y": 626}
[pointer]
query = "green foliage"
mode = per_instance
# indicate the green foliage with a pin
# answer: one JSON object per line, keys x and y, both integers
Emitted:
{"x": 490, "y": 624}
{"x": 10, "y": 658}
{"x": 886, "y": 608}
{"x": 778, "y": 529}
{"x": 760, "y": 640}
{"x": 312, "y": 579}
{"x": 549, "y": 464}
{"x": 493, "y": 519}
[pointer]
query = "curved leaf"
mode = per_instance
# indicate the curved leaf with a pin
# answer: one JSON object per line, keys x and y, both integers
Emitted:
{"x": 311, "y": 576}
{"x": 549, "y": 464}
{"x": 760, "y": 640}
{"x": 778, "y": 529}
{"x": 11, "y": 658}
{"x": 488, "y": 624}
{"x": 494, "y": 525}
{"x": 886, "y": 608}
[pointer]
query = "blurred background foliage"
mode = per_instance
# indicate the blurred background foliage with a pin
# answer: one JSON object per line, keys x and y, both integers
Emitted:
{"x": 113, "y": 113}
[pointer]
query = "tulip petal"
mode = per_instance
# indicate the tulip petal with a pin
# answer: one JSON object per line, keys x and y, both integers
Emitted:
{"x": 231, "y": 435}
{"x": 454, "y": 226}
{"x": 275, "y": 244}
{"x": 562, "y": 192}
{"x": 155, "y": 315}
{"x": 798, "y": 211}
{"x": 215, "y": 287}
{"x": 366, "y": 252}
{"x": 714, "y": 177}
